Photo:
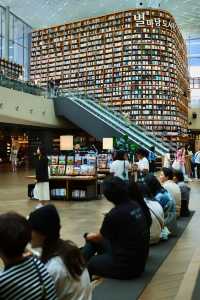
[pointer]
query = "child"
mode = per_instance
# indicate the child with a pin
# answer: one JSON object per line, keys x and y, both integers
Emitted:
{"x": 22, "y": 278}
{"x": 185, "y": 193}
{"x": 63, "y": 259}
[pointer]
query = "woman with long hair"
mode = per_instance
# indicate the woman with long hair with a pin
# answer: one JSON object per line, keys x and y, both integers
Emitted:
{"x": 63, "y": 259}
{"x": 41, "y": 190}
{"x": 166, "y": 201}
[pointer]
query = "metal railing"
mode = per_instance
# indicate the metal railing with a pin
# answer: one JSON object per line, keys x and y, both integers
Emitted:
{"x": 18, "y": 85}
{"x": 148, "y": 134}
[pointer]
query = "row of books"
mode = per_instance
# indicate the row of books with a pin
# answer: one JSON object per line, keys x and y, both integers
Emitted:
{"x": 76, "y": 159}
{"x": 104, "y": 161}
{"x": 72, "y": 170}
{"x": 106, "y": 37}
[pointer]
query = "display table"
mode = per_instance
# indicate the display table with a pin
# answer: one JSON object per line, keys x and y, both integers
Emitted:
{"x": 103, "y": 171}
{"x": 70, "y": 183}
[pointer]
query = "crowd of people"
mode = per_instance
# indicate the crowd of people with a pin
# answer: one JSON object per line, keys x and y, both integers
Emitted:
{"x": 145, "y": 211}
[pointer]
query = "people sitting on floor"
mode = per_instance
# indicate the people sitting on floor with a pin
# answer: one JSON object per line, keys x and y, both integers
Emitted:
{"x": 166, "y": 179}
{"x": 22, "y": 277}
{"x": 122, "y": 244}
{"x": 166, "y": 201}
{"x": 63, "y": 259}
{"x": 136, "y": 194}
{"x": 157, "y": 214}
{"x": 178, "y": 178}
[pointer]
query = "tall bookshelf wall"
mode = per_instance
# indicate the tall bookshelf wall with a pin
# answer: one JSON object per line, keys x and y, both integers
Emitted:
{"x": 10, "y": 69}
{"x": 134, "y": 61}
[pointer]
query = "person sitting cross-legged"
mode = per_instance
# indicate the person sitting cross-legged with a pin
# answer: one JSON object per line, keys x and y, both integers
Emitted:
{"x": 63, "y": 259}
{"x": 166, "y": 201}
{"x": 185, "y": 193}
{"x": 122, "y": 245}
{"x": 166, "y": 179}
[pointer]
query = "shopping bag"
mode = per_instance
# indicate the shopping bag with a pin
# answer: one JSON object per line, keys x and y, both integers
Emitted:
{"x": 176, "y": 165}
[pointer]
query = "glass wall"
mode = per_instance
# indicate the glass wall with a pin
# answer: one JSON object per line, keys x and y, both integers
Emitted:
{"x": 19, "y": 45}
{"x": 19, "y": 40}
{"x": 2, "y": 32}
{"x": 193, "y": 45}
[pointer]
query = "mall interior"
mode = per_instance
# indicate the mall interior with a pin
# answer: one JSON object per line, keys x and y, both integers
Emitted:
{"x": 99, "y": 131}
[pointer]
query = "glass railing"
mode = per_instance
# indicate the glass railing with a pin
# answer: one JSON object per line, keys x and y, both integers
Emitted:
{"x": 116, "y": 121}
{"x": 121, "y": 119}
{"x": 22, "y": 86}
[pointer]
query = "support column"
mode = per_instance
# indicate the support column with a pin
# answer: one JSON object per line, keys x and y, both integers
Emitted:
{"x": 7, "y": 21}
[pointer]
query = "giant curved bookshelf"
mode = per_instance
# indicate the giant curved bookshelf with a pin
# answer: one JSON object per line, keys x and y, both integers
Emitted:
{"x": 135, "y": 61}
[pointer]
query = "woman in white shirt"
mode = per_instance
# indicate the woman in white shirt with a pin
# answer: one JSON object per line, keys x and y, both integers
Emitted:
{"x": 119, "y": 167}
{"x": 142, "y": 164}
{"x": 63, "y": 259}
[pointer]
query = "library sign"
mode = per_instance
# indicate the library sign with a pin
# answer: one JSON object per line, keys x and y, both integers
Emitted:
{"x": 141, "y": 21}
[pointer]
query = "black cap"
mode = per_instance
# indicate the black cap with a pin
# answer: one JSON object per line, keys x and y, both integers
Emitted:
{"x": 46, "y": 220}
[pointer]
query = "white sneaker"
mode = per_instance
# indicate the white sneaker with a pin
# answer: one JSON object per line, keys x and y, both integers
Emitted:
{"x": 39, "y": 206}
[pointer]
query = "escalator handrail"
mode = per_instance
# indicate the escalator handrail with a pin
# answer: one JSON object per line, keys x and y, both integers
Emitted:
{"x": 123, "y": 128}
{"x": 160, "y": 144}
{"x": 91, "y": 105}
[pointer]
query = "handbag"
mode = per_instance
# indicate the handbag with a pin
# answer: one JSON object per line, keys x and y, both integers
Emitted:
{"x": 124, "y": 171}
{"x": 176, "y": 165}
{"x": 42, "y": 286}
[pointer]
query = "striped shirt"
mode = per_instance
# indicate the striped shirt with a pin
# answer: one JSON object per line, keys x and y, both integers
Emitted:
{"x": 28, "y": 280}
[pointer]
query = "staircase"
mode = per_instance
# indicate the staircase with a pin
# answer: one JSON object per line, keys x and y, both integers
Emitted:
{"x": 101, "y": 121}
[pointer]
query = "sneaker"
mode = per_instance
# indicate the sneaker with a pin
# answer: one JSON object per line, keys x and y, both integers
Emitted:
{"x": 39, "y": 206}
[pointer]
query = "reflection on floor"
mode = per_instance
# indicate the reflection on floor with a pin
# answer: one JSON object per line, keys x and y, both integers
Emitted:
{"x": 76, "y": 217}
{"x": 80, "y": 217}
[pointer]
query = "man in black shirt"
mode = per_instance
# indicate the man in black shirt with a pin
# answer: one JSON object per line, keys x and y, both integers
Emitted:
{"x": 122, "y": 244}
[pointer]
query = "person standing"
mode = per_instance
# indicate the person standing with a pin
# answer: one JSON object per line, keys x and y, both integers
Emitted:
{"x": 41, "y": 190}
{"x": 119, "y": 167}
{"x": 197, "y": 163}
{"x": 152, "y": 159}
{"x": 142, "y": 164}
{"x": 180, "y": 158}
{"x": 188, "y": 164}
{"x": 13, "y": 158}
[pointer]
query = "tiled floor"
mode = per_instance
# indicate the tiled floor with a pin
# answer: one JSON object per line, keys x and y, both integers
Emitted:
{"x": 80, "y": 217}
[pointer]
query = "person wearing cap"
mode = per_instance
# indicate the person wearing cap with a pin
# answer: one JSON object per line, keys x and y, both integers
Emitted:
{"x": 63, "y": 259}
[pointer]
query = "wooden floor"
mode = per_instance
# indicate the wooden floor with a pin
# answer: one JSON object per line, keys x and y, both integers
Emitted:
{"x": 80, "y": 217}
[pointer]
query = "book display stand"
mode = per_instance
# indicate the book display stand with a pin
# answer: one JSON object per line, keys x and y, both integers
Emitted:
{"x": 73, "y": 176}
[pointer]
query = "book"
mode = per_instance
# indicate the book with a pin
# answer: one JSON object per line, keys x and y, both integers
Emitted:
{"x": 69, "y": 170}
{"x": 70, "y": 160}
{"x": 54, "y": 170}
{"x": 54, "y": 159}
{"x": 61, "y": 170}
{"x": 62, "y": 160}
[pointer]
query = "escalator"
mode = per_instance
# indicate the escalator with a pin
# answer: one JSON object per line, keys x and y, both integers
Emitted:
{"x": 100, "y": 121}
